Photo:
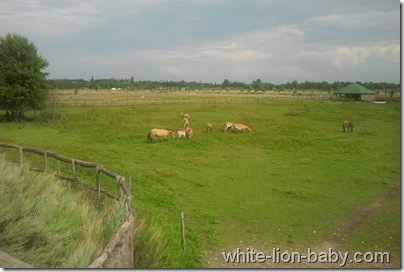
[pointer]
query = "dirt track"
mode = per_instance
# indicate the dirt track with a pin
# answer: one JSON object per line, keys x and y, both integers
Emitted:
{"x": 216, "y": 260}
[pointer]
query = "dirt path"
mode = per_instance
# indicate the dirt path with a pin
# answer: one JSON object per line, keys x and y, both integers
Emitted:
{"x": 335, "y": 242}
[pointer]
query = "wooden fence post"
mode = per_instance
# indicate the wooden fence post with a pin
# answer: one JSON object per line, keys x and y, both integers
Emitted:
{"x": 130, "y": 181}
{"x": 21, "y": 157}
{"x": 118, "y": 180}
{"x": 45, "y": 156}
{"x": 97, "y": 181}
{"x": 59, "y": 172}
{"x": 183, "y": 230}
{"x": 74, "y": 169}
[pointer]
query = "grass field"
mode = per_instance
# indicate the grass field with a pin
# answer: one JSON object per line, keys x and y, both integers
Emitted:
{"x": 220, "y": 96}
{"x": 290, "y": 183}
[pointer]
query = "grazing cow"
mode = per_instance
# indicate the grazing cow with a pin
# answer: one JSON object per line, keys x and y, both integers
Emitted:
{"x": 210, "y": 127}
{"x": 185, "y": 115}
{"x": 240, "y": 127}
{"x": 186, "y": 123}
{"x": 227, "y": 126}
{"x": 181, "y": 134}
{"x": 348, "y": 125}
{"x": 189, "y": 132}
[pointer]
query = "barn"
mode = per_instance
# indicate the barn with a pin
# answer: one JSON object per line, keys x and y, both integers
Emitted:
{"x": 355, "y": 92}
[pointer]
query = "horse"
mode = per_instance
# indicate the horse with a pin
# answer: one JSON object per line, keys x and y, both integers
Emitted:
{"x": 210, "y": 127}
{"x": 164, "y": 132}
{"x": 240, "y": 127}
{"x": 185, "y": 115}
{"x": 186, "y": 123}
{"x": 227, "y": 126}
{"x": 181, "y": 134}
{"x": 348, "y": 125}
{"x": 189, "y": 132}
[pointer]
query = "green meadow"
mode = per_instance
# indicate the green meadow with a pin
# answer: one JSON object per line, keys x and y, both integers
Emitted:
{"x": 290, "y": 183}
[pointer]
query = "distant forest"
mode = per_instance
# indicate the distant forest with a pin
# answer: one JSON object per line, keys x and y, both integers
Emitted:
{"x": 255, "y": 85}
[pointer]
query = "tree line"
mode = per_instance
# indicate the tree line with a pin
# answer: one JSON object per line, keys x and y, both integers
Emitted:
{"x": 255, "y": 85}
{"x": 23, "y": 83}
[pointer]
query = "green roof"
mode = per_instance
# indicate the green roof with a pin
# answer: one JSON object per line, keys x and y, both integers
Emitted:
{"x": 354, "y": 88}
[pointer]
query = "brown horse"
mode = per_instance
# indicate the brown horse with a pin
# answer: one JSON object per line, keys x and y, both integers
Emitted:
{"x": 209, "y": 127}
{"x": 240, "y": 127}
{"x": 348, "y": 125}
{"x": 186, "y": 123}
{"x": 164, "y": 132}
{"x": 181, "y": 134}
{"x": 185, "y": 115}
{"x": 189, "y": 132}
{"x": 227, "y": 126}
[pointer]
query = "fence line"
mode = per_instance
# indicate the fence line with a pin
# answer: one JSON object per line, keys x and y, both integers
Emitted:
{"x": 118, "y": 253}
{"x": 189, "y": 100}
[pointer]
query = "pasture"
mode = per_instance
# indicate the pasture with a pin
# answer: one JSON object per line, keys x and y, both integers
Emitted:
{"x": 292, "y": 182}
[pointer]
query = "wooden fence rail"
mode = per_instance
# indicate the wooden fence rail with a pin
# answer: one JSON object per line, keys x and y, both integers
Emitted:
{"x": 118, "y": 253}
{"x": 188, "y": 100}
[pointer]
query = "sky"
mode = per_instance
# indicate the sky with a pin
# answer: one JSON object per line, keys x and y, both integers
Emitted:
{"x": 277, "y": 41}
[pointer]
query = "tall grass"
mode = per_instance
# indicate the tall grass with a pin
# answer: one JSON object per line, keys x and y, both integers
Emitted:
{"x": 47, "y": 223}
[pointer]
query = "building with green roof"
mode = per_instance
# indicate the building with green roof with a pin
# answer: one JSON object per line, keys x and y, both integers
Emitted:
{"x": 355, "y": 92}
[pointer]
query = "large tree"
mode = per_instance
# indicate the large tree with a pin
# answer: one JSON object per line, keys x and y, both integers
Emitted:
{"x": 23, "y": 84}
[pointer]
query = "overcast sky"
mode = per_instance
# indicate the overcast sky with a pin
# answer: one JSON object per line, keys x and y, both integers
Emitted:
{"x": 211, "y": 40}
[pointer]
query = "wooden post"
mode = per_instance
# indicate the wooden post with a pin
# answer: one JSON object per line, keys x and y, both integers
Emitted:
{"x": 74, "y": 170}
{"x": 130, "y": 181}
{"x": 183, "y": 230}
{"x": 97, "y": 181}
{"x": 21, "y": 157}
{"x": 58, "y": 167}
{"x": 45, "y": 156}
{"x": 118, "y": 180}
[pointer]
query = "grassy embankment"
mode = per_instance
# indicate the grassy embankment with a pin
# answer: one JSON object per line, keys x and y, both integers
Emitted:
{"x": 49, "y": 224}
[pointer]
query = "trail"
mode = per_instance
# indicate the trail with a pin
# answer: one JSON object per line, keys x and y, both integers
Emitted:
{"x": 334, "y": 242}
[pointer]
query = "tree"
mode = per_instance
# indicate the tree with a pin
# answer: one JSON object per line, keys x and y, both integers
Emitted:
{"x": 23, "y": 85}
{"x": 226, "y": 84}
{"x": 257, "y": 85}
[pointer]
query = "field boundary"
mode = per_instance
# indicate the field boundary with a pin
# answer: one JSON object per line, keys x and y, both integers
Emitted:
{"x": 183, "y": 100}
{"x": 118, "y": 253}
{"x": 143, "y": 99}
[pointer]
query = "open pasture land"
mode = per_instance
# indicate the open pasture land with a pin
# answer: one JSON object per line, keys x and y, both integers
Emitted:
{"x": 295, "y": 181}
{"x": 89, "y": 97}
{"x": 209, "y": 96}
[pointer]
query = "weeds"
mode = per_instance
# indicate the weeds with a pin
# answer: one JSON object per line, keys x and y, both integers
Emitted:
{"x": 47, "y": 224}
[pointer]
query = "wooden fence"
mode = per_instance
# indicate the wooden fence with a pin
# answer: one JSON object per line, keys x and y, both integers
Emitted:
{"x": 240, "y": 99}
{"x": 118, "y": 253}
{"x": 187, "y": 100}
